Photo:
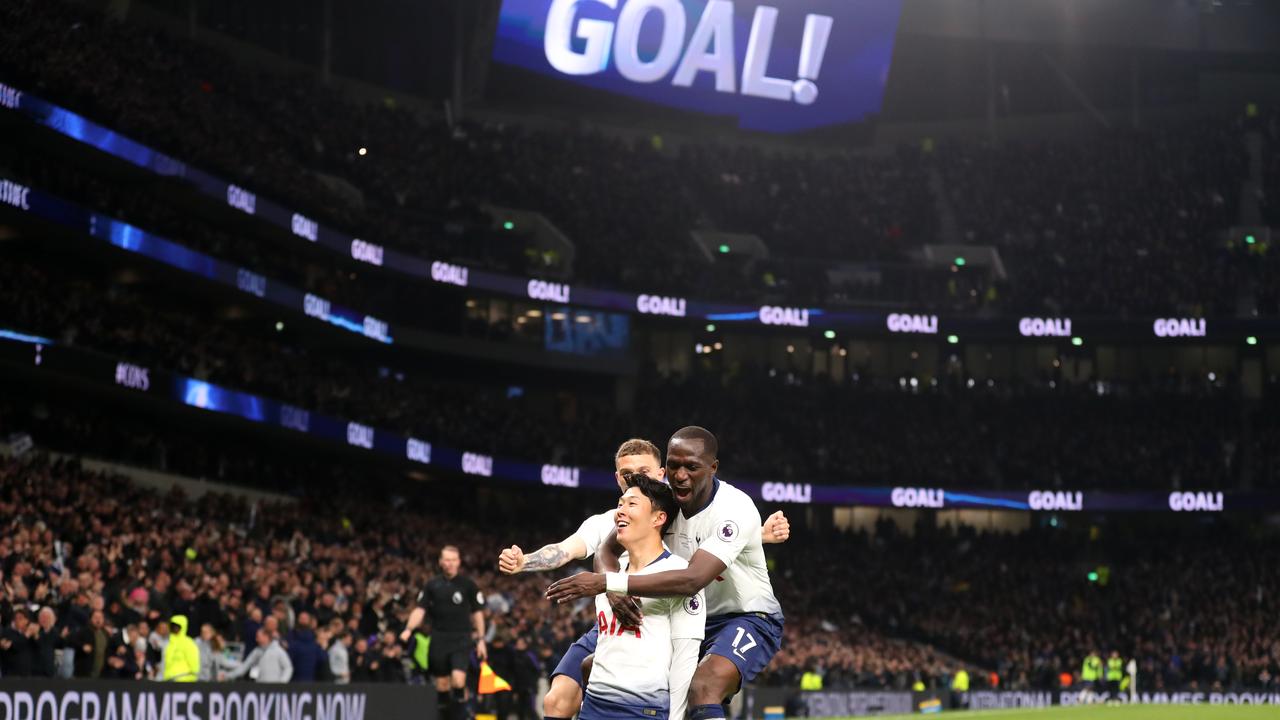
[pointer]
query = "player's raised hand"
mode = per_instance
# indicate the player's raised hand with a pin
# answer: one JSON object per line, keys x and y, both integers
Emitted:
{"x": 777, "y": 529}
{"x": 511, "y": 560}
{"x": 582, "y": 585}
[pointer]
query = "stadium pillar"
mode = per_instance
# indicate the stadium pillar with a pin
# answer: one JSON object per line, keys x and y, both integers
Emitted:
{"x": 193, "y": 18}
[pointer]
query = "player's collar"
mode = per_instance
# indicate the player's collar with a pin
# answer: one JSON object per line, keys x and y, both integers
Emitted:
{"x": 715, "y": 488}
{"x": 665, "y": 554}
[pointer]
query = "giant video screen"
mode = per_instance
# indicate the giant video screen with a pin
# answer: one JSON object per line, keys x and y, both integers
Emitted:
{"x": 774, "y": 66}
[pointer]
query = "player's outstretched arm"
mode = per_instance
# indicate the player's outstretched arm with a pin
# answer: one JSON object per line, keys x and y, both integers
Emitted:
{"x": 703, "y": 568}
{"x": 548, "y": 557}
{"x": 777, "y": 529}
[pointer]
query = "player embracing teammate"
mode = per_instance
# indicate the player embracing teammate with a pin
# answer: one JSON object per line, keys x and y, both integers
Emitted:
{"x": 717, "y": 531}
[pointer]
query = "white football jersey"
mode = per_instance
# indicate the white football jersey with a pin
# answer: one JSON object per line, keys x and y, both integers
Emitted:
{"x": 642, "y": 667}
{"x": 595, "y": 529}
{"x": 729, "y": 528}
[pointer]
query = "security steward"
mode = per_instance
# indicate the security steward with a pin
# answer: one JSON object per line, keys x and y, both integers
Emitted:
{"x": 456, "y": 608}
{"x": 1091, "y": 673}
{"x": 960, "y": 689}
{"x": 1115, "y": 674}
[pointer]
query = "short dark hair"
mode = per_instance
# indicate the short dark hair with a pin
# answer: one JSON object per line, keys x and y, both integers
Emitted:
{"x": 710, "y": 445}
{"x": 659, "y": 493}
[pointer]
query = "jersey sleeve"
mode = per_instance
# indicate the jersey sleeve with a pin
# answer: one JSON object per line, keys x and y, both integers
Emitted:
{"x": 476, "y": 598}
{"x": 424, "y": 598}
{"x": 684, "y": 661}
{"x": 736, "y": 525}
{"x": 689, "y": 617}
{"x": 593, "y": 531}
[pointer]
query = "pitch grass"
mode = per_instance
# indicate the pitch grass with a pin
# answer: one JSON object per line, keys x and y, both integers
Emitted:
{"x": 1113, "y": 712}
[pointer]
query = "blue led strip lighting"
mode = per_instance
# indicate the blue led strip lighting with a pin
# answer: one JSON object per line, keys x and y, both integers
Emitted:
{"x": 969, "y": 500}
{"x": 136, "y": 240}
{"x": 1076, "y": 331}
{"x": 15, "y": 347}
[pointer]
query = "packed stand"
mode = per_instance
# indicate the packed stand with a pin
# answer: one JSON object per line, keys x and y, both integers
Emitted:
{"x": 192, "y": 97}
{"x": 877, "y": 431}
{"x": 191, "y": 115}
{"x": 322, "y": 587}
{"x": 388, "y": 296}
{"x": 87, "y": 568}
{"x": 1119, "y": 223}
{"x": 325, "y": 583}
{"x": 1123, "y": 221}
{"x": 1194, "y": 606}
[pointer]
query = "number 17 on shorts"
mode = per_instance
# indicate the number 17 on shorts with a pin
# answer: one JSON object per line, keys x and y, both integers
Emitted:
{"x": 748, "y": 641}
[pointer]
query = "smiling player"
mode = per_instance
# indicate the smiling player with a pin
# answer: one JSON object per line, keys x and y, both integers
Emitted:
{"x": 643, "y": 671}
{"x": 635, "y": 456}
{"x": 717, "y": 531}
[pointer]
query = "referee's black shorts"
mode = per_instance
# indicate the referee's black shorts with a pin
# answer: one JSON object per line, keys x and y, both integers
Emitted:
{"x": 449, "y": 652}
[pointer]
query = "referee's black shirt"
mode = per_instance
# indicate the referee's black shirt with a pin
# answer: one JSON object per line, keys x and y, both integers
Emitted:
{"x": 449, "y": 603}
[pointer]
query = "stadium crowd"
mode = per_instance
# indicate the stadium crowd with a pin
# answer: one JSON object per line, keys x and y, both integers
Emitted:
{"x": 317, "y": 589}
{"x": 1120, "y": 221}
{"x": 1015, "y": 436}
{"x": 1190, "y": 604}
{"x": 1126, "y": 222}
{"x": 101, "y": 567}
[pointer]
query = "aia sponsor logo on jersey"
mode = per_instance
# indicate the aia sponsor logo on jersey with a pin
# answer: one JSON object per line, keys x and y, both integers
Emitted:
{"x": 611, "y": 626}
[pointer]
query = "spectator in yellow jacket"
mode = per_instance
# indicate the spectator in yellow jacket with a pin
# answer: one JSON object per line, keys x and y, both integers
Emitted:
{"x": 181, "y": 655}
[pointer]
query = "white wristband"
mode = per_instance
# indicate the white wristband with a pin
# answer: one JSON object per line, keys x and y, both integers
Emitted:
{"x": 615, "y": 582}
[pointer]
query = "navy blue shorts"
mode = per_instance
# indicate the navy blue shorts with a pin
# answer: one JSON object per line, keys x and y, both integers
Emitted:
{"x": 594, "y": 708}
{"x": 749, "y": 641}
{"x": 571, "y": 664}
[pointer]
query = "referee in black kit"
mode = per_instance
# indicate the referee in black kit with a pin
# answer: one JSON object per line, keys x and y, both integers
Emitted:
{"x": 456, "y": 607}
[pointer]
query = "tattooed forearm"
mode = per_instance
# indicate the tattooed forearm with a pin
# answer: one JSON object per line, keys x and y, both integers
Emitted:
{"x": 548, "y": 558}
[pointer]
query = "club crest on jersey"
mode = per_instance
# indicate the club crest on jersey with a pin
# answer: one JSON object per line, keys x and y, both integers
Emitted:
{"x": 692, "y": 605}
{"x": 728, "y": 531}
{"x": 457, "y": 597}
